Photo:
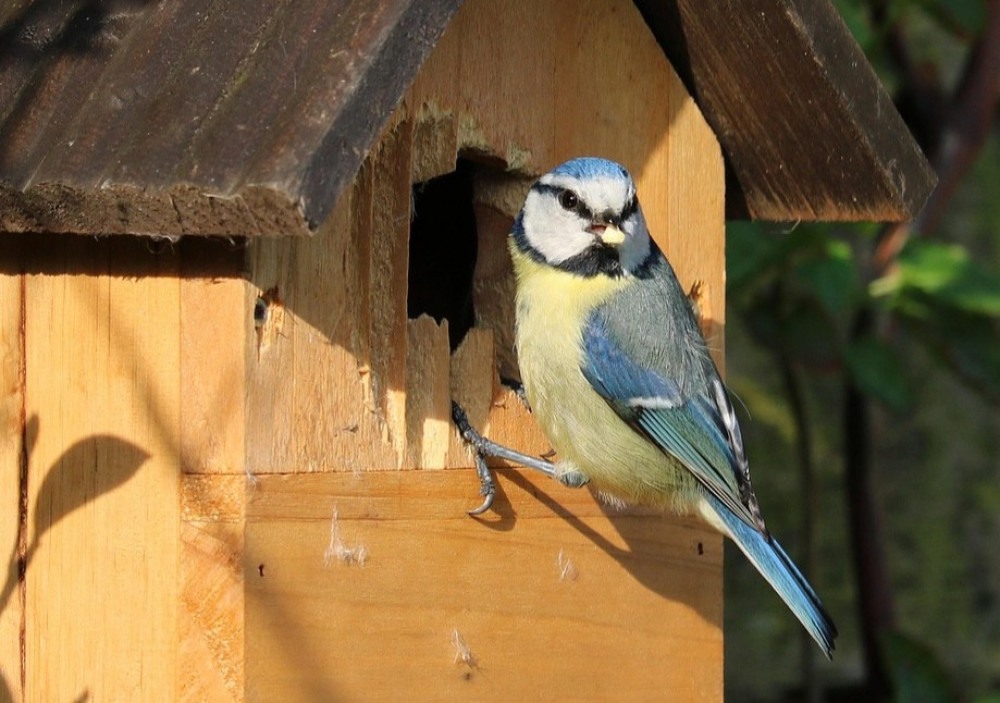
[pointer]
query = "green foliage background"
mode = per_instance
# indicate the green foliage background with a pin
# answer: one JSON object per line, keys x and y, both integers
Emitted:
{"x": 931, "y": 365}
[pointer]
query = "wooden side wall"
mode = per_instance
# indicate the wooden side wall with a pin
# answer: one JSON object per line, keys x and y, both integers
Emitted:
{"x": 90, "y": 354}
{"x": 217, "y": 467}
{"x": 12, "y": 431}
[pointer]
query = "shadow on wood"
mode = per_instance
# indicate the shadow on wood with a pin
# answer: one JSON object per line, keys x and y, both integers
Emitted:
{"x": 86, "y": 471}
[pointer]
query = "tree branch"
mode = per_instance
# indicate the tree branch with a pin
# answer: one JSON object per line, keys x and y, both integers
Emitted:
{"x": 871, "y": 570}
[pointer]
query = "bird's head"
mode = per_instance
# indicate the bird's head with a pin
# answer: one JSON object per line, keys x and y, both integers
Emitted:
{"x": 583, "y": 217}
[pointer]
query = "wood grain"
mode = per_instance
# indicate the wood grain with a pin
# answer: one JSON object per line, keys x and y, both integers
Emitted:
{"x": 102, "y": 377}
{"x": 12, "y": 422}
{"x": 167, "y": 119}
{"x": 312, "y": 402}
{"x": 211, "y": 648}
{"x": 428, "y": 394}
{"x": 387, "y": 280}
{"x": 695, "y": 209}
{"x": 214, "y": 327}
{"x": 552, "y": 599}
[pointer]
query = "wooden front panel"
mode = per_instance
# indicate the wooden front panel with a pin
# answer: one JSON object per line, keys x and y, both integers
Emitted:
{"x": 348, "y": 392}
{"x": 326, "y": 375}
{"x": 379, "y": 587}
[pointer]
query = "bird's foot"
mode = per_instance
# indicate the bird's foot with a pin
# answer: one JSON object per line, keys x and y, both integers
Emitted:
{"x": 483, "y": 448}
{"x": 573, "y": 478}
{"x": 696, "y": 297}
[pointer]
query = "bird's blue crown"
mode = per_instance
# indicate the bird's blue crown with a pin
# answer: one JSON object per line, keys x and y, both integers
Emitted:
{"x": 591, "y": 167}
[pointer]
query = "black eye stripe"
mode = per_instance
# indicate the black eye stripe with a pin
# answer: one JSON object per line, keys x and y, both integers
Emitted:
{"x": 581, "y": 208}
{"x": 583, "y": 211}
{"x": 546, "y": 188}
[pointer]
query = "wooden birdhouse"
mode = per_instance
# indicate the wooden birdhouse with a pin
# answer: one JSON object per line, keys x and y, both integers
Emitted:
{"x": 250, "y": 253}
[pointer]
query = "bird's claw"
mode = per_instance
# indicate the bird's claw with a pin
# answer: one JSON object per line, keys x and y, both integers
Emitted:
{"x": 471, "y": 436}
{"x": 487, "y": 488}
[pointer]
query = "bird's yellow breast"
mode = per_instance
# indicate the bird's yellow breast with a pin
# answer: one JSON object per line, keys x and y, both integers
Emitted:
{"x": 552, "y": 308}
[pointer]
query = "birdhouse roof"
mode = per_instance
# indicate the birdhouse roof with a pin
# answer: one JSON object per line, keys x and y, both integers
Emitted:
{"x": 237, "y": 118}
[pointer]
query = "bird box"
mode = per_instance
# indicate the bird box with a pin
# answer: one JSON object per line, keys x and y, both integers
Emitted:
{"x": 249, "y": 255}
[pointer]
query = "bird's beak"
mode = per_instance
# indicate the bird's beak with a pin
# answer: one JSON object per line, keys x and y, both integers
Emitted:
{"x": 612, "y": 235}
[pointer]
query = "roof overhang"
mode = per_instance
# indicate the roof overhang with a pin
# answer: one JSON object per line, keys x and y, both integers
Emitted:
{"x": 166, "y": 119}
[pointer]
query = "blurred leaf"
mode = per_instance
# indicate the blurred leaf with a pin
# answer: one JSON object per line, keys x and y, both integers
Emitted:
{"x": 856, "y": 18}
{"x": 899, "y": 8}
{"x": 750, "y": 254}
{"x": 768, "y": 410}
{"x": 877, "y": 370}
{"x": 966, "y": 343}
{"x": 755, "y": 254}
{"x": 918, "y": 675}
{"x": 946, "y": 273}
{"x": 809, "y": 336}
{"x": 970, "y": 14}
{"x": 833, "y": 279}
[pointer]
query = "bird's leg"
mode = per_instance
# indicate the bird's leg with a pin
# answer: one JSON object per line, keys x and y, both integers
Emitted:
{"x": 518, "y": 388}
{"x": 484, "y": 447}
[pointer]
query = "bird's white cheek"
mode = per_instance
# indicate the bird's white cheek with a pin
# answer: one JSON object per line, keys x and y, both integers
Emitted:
{"x": 555, "y": 233}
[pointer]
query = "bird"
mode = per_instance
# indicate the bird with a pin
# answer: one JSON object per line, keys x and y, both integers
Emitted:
{"x": 618, "y": 375}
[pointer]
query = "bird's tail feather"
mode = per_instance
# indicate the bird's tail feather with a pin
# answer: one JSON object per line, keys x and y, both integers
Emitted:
{"x": 777, "y": 568}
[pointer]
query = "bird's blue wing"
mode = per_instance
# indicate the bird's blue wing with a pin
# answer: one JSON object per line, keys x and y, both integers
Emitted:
{"x": 700, "y": 430}
{"x": 689, "y": 426}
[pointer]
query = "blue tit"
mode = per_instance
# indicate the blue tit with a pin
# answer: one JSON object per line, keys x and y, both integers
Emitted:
{"x": 618, "y": 374}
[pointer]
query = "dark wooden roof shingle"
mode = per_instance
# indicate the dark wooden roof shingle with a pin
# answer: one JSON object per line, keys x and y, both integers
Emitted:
{"x": 193, "y": 117}
{"x": 807, "y": 129}
{"x": 232, "y": 118}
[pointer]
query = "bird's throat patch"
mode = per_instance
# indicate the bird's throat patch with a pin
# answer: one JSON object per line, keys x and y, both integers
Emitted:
{"x": 599, "y": 259}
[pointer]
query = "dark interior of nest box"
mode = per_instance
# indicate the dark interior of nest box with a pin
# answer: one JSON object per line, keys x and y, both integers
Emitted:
{"x": 448, "y": 233}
